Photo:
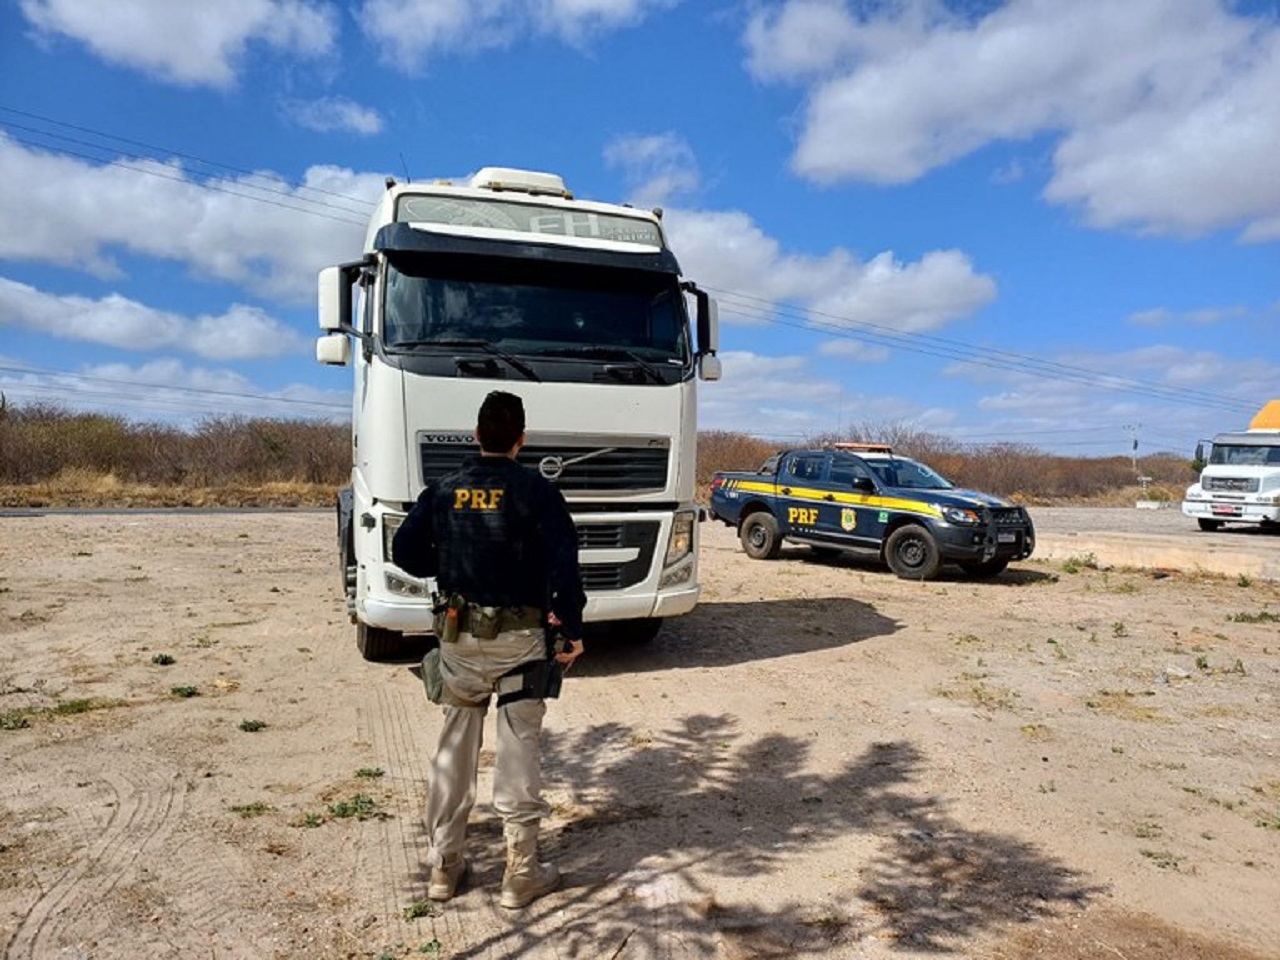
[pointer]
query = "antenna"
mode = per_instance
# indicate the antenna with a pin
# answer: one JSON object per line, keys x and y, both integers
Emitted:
{"x": 407, "y": 178}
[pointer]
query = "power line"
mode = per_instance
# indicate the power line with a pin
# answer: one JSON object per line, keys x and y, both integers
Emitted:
{"x": 746, "y": 305}
{"x": 174, "y": 388}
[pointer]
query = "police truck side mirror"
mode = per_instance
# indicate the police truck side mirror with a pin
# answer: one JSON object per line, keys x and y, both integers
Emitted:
{"x": 864, "y": 483}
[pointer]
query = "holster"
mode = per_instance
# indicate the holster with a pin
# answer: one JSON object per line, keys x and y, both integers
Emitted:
{"x": 432, "y": 680}
{"x": 542, "y": 681}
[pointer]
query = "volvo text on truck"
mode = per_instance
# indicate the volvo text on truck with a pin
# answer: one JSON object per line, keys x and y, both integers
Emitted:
{"x": 506, "y": 281}
{"x": 1240, "y": 482}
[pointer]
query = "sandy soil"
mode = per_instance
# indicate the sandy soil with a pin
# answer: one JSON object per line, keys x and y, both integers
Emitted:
{"x": 820, "y": 761}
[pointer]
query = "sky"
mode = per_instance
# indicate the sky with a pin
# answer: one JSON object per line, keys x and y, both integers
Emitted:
{"x": 1046, "y": 223}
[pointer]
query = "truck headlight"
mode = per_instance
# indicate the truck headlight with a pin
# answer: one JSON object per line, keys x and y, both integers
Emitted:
{"x": 961, "y": 516}
{"x": 680, "y": 544}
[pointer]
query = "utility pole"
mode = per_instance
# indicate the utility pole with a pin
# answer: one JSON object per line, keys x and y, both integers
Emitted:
{"x": 1133, "y": 429}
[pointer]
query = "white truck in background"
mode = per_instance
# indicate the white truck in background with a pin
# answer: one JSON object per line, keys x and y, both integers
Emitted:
{"x": 1240, "y": 482}
{"x": 505, "y": 281}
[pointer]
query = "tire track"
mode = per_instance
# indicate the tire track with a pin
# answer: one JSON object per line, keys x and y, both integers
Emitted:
{"x": 139, "y": 816}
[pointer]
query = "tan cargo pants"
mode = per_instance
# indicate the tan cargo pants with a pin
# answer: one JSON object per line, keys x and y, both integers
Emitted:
{"x": 471, "y": 670}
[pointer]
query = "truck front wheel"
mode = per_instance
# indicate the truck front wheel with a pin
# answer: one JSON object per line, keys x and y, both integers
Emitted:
{"x": 377, "y": 644}
{"x": 1208, "y": 525}
{"x": 760, "y": 537}
{"x": 912, "y": 553}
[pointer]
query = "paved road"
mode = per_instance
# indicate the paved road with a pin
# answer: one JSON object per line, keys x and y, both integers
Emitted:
{"x": 1126, "y": 536}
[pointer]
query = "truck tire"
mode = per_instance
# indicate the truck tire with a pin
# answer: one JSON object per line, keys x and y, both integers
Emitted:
{"x": 376, "y": 644}
{"x": 984, "y": 568}
{"x": 1208, "y": 525}
{"x": 760, "y": 537}
{"x": 912, "y": 553}
{"x": 633, "y": 633}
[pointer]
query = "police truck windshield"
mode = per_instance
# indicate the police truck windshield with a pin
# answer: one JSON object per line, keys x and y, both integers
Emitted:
{"x": 534, "y": 309}
{"x": 900, "y": 472}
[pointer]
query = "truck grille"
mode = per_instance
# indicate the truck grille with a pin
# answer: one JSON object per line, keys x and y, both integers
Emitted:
{"x": 642, "y": 535}
{"x": 621, "y": 469}
{"x": 1231, "y": 484}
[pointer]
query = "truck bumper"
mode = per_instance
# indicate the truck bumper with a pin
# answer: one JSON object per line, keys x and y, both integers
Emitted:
{"x": 979, "y": 544}
{"x": 1232, "y": 511}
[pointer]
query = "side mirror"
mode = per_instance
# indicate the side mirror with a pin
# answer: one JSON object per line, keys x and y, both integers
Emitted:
{"x": 709, "y": 367}
{"x": 864, "y": 483}
{"x": 334, "y": 349}
{"x": 708, "y": 320}
{"x": 1200, "y": 452}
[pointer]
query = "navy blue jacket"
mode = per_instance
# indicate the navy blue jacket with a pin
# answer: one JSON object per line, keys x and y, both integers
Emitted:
{"x": 499, "y": 534}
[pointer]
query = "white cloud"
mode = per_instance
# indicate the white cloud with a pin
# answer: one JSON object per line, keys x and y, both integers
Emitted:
{"x": 1177, "y": 394}
{"x": 334, "y": 114}
{"x": 257, "y": 231}
{"x": 166, "y": 390}
{"x": 1161, "y": 317}
{"x": 191, "y": 44}
{"x": 411, "y": 30}
{"x": 854, "y": 350}
{"x": 657, "y": 167}
{"x": 1166, "y": 113}
{"x": 729, "y": 252}
{"x": 239, "y": 333}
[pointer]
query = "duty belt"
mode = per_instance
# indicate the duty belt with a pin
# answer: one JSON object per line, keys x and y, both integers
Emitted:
{"x": 485, "y": 623}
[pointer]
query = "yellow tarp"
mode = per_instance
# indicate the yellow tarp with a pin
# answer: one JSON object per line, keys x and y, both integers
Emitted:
{"x": 1268, "y": 418}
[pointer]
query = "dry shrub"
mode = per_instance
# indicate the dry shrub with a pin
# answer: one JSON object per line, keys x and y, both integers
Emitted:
{"x": 50, "y": 456}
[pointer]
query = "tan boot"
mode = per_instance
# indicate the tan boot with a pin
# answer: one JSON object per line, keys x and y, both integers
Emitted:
{"x": 444, "y": 880}
{"x": 526, "y": 879}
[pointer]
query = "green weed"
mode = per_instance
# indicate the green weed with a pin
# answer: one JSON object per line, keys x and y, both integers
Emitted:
{"x": 252, "y": 726}
{"x": 1262, "y": 617}
{"x": 361, "y": 806}
{"x": 185, "y": 691}
{"x": 255, "y": 809}
{"x": 163, "y": 660}
{"x": 1078, "y": 562}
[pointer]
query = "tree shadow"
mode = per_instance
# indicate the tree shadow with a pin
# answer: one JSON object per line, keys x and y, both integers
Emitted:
{"x": 869, "y": 562}
{"x": 661, "y": 825}
{"x": 720, "y": 634}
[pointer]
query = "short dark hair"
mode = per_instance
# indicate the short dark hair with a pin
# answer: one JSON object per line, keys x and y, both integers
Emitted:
{"x": 500, "y": 423}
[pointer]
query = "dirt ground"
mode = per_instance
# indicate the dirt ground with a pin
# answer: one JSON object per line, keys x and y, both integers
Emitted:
{"x": 821, "y": 761}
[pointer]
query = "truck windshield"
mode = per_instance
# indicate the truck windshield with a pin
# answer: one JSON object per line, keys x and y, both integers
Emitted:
{"x": 1240, "y": 455}
{"x": 574, "y": 311}
{"x": 900, "y": 472}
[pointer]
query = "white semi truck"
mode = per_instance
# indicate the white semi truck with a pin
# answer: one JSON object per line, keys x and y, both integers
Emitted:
{"x": 1240, "y": 482}
{"x": 505, "y": 281}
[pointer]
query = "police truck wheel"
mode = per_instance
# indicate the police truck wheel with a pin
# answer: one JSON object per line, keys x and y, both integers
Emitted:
{"x": 984, "y": 568}
{"x": 377, "y": 644}
{"x": 1208, "y": 525}
{"x": 760, "y": 537}
{"x": 912, "y": 553}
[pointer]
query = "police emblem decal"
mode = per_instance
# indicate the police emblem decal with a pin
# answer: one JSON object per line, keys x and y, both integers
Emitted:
{"x": 848, "y": 519}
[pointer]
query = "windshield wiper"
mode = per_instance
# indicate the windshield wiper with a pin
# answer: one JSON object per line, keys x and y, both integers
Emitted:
{"x": 598, "y": 350}
{"x": 474, "y": 344}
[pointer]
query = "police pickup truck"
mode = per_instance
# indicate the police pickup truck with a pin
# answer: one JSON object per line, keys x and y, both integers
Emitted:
{"x": 863, "y": 497}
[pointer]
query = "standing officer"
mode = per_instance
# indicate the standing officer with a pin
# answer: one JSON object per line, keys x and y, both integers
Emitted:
{"x": 501, "y": 544}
